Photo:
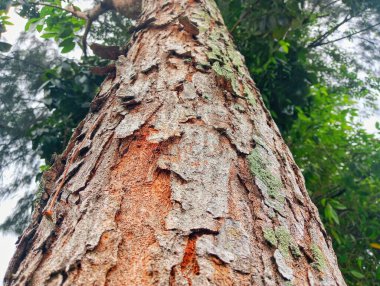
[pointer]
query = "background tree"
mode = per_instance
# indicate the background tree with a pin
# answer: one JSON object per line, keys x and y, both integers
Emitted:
{"x": 310, "y": 85}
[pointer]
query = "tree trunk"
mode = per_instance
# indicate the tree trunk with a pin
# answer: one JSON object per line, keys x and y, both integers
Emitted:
{"x": 178, "y": 175}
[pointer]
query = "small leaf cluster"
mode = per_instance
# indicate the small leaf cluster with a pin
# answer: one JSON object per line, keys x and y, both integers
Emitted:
{"x": 57, "y": 24}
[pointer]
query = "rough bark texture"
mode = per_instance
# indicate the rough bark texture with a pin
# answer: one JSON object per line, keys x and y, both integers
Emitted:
{"x": 184, "y": 178}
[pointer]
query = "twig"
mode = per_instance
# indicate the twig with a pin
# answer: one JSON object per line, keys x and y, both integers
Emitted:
{"x": 89, "y": 15}
{"x": 84, "y": 37}
{"x": 316, "y": 42}
{"x": 366, "y": 40}
{"x": 350, "y": 35}
{"x": 241, "y": 18}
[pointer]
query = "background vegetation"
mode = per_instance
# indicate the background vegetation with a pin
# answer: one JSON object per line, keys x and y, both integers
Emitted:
{"x": 316, "y": 62}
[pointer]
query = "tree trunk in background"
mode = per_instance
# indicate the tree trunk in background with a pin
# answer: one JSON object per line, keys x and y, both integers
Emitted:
{"x": 183, "y": 177}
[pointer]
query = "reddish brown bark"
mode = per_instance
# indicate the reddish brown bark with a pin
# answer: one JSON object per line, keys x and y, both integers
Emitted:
{"x": 182, "y": 178}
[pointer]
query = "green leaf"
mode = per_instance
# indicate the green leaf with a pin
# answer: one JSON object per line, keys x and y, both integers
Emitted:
{"x": 66, "y": 33}
{"x": 30, "y": 22}
{"x": 44, "y": 168}
{"x": 337, "y": 205}
{"x": 39, "y": 27}
{"x": 67, "y": 45}
{"x": 357, "y": 274}
{"x": 331, "y": 214}
{"x": 48, "y": 35}
{"x": 378, "y": 273}
{"x": 336, "y": 236}
{"x": 284, "y": 46}
{"x": 46, "y": 11}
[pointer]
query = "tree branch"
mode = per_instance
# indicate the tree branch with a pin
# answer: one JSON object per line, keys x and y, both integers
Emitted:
{"x": 350, "y": 35}
{"x": 366, "y": 40}
{"x": 317, "y": 41}
{"x": 339, "y": 193}
{"x": 89, "y": 15}
{"x": 241, "y": 18}
{"x": 92, "y": 15}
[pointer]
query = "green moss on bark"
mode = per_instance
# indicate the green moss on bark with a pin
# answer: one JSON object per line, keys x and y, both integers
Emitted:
{"x": 260, "y": 170}
{"x": 319, "y": 260}
{"x": 282, "y": 239}
{"x": 270, "y": 236}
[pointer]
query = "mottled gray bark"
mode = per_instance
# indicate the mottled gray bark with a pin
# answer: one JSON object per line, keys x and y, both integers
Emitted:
{"x": 183, "y": 178}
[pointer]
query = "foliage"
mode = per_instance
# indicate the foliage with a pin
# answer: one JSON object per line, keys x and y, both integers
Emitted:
{"x": 68, "y": 89}
{"x": 310, "y": 82}
{"x": 43, "y": 99}
{"x": 340, "y": 162}
{"x": 57, "y": 24}
{"x": 20, "y": 108}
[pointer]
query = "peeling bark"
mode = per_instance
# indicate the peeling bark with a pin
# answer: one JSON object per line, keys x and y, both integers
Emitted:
{"x": 184, "y": 180}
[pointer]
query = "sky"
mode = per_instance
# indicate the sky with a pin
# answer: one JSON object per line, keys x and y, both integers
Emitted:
{"x": 7, "y": 241}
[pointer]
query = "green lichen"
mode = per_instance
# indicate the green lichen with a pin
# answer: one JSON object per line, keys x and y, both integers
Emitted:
{"x": 259, "y": 169}
{"x": 286, "y": 242}
{"x": 236, "y": 59}
{"x": 319, "y": 260}
{"x": 228, "y": 63}
{"x": 294, "y": 249}
{"x": 227, "y": 72}
{"x": 214, "y": 36}
{"x": 38, "y": 195}
{"x": 213, "y": 10}
{"x": 202, "y": 18}
{"x": 215, "y": 54}
{"x": 235, "y": 86}
{"x": 270, "y": 236}
{"x": 249, "y": 95}
{"x": 282, "y": 239}
{"x": 221, "y": 71}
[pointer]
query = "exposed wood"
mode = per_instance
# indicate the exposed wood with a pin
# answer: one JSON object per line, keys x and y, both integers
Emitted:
{"x": 191, "y": 184}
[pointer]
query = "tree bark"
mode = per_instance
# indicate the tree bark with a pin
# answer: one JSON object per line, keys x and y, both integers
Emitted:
{"x": 178, "y": 176}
